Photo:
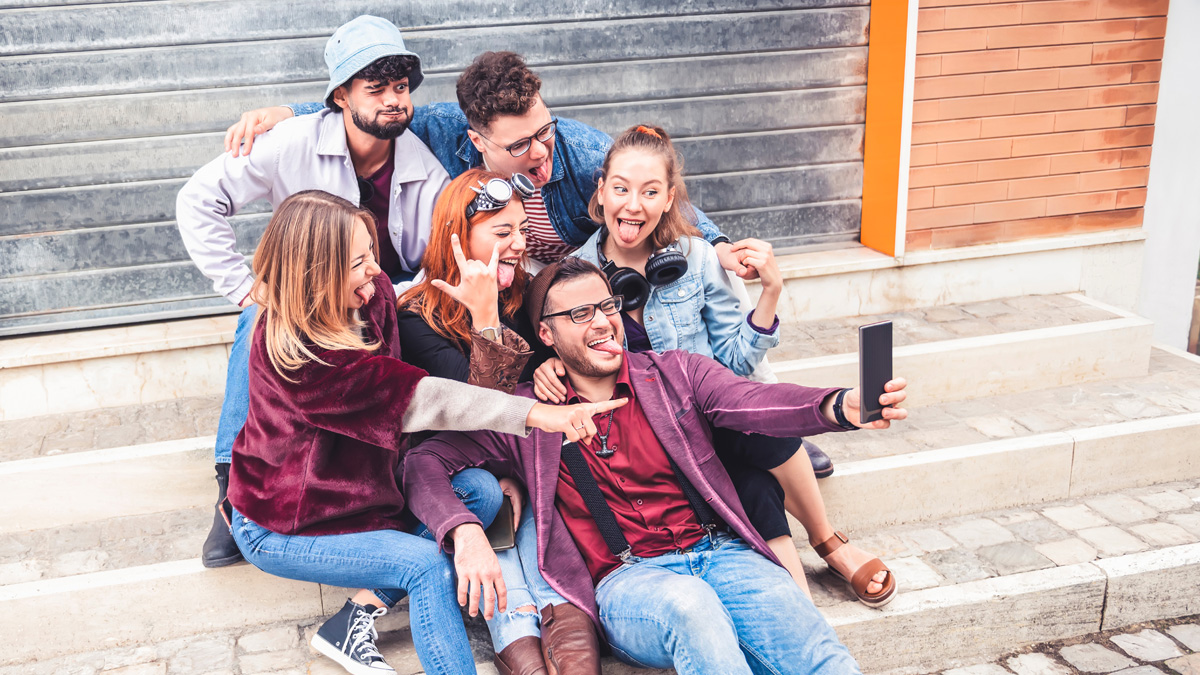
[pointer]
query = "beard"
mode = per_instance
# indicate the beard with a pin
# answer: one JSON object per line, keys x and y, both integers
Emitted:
{"x": 578, "y": 359}
{"x": 385, "y": 132}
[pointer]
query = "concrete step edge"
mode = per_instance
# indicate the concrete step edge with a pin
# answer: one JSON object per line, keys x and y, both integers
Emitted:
{"x": 938, "y": 628}
{"x": 966, "y": 368}
{"x": 919, "y": 632}
{"x": 1022, "y": 471}
{"x": 107, "y": 455}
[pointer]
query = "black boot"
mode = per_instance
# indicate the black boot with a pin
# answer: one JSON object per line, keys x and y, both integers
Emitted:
{"x": 220, "y": 549}
{"x": 821, "y": 464}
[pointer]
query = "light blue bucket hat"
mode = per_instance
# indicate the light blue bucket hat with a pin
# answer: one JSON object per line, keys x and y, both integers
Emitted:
{"x": 361, "y": 42}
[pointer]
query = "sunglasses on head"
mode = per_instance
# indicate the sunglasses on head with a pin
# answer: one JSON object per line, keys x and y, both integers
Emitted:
{"x": 497, "y": 192}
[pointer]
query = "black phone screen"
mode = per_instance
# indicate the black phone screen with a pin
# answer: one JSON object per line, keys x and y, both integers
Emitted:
{"x": 874, "y": 366}
{"x": 502, "y": 534}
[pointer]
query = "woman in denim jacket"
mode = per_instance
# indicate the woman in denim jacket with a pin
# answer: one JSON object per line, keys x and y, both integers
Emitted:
{"x": 677, "y": 296}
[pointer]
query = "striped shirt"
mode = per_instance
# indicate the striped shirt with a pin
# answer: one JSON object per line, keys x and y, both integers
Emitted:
{"x": 543, "y": 243}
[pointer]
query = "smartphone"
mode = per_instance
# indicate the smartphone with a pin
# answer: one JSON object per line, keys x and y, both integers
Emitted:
{"x": 874, "y": 367}
{"x": 502, "y": 534}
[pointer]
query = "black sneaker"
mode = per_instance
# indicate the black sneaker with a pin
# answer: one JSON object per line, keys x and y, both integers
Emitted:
{"x": 348, "y": 638}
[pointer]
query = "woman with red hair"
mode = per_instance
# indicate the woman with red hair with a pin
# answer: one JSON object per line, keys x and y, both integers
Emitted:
{"x": 463, "y": 321}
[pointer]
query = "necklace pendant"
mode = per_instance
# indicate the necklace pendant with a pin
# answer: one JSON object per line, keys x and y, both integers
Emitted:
{"x": 605, "y": 452}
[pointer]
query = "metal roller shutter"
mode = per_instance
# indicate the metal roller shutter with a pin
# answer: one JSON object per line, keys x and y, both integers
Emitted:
{"x": 108, "y": 108}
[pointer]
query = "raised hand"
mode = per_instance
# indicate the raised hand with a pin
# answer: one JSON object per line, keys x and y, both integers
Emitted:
{"x": 758, "y": 255}
{"x": 573, "y": 420}
{"x": 477, "y": 287}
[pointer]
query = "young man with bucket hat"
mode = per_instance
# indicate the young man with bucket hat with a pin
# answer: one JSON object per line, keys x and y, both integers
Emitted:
{"x": 360, "y": 149}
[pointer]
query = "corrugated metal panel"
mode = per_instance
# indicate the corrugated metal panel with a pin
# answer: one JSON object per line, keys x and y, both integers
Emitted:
{"x": 108, "y": 108}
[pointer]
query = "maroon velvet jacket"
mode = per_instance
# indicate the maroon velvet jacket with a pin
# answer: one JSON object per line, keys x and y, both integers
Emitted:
{"x": 680, "y": 393}
{"x": 317, "y": 456}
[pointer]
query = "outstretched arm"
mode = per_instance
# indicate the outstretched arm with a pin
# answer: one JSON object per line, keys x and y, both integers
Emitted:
{"x": 781, "y": 410}
{"x": 239, "y": 137}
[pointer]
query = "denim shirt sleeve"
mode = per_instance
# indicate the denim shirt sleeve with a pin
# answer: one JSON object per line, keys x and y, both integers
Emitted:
{"x": 733, "y": 340}
{"x": 299, "y": 109}
{"x": 706, "y": 226}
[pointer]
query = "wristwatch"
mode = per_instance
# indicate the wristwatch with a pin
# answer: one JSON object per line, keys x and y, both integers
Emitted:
{"x": 720, "y": 239}
{"x": 840, "y": 415}
{"x": 490, "y": 332}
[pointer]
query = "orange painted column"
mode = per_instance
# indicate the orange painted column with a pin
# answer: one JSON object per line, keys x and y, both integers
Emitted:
{"x": 885, "y": 138}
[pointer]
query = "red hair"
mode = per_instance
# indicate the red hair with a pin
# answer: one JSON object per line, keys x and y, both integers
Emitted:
{"x": 448, "y": 317}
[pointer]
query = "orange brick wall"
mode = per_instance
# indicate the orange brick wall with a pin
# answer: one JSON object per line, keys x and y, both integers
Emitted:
{"x": 1031, "y": 118}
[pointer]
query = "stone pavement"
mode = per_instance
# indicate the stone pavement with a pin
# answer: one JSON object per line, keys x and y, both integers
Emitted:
{"x": 1171, "y": 387}
{"x": 1155, "y": 648}
{"x": 281, "y": 649}
{"x": 806, "y": 339}
{"x": 1000, "y": 543}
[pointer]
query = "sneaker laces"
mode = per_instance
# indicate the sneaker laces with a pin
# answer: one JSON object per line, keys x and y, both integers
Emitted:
{"x": 363, "y": 634}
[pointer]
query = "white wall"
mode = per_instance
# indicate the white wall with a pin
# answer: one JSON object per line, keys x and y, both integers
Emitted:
{"x": 1172, "y": 220}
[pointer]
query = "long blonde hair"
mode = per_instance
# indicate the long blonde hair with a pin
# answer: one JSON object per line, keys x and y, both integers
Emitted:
{"x": 300, "y": 268}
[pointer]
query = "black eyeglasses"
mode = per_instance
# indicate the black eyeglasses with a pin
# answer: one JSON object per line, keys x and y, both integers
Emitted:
{"x": 585, "y": 313}
{"x": 521, "y": 146}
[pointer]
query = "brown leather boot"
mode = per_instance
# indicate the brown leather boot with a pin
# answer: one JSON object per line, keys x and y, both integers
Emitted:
{"x": 523, "y": 657}
{"x": 569, "y": 641}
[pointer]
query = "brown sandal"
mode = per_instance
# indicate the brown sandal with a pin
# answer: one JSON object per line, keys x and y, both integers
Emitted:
{"x": 862, "y": 577}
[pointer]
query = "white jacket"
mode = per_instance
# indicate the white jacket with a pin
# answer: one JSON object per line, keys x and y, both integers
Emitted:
{"x": 303, "y": 153}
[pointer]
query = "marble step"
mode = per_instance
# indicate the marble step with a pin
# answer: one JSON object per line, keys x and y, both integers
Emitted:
{"x": 972, "y": 588}
{"x": 948, "y": 353}
{"x": 947, "y": 459}
{"x": 976, "y": 350}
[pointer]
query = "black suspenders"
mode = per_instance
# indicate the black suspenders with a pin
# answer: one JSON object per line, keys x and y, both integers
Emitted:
{"x": 602, "y": 513}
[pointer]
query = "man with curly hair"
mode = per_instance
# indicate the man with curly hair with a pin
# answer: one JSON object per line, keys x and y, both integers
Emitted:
{"x": 358, "y": 148}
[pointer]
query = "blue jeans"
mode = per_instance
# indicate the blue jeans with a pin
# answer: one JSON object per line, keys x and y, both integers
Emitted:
{"x": 718, "y": 608}
{"x": 526, "y": 586}
{"x": 236, "y": 405}
{"x": 395, "y": 563}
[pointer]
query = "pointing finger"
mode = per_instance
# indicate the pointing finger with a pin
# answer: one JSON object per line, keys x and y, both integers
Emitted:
{"x": 605, "y": 406}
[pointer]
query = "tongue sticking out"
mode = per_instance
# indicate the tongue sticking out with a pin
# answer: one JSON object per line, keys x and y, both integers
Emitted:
{"x": 504, "y": 275}
{"x": 541, "y": 173}
{"x": 365, "y": 293}
{"x": 627, "y": 232}
{"x": 609, "y": 346}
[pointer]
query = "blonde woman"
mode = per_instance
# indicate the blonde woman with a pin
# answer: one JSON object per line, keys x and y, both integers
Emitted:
{"x": 313, "y": 484}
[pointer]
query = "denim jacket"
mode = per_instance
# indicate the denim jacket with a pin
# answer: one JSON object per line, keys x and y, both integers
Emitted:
{"x": 578, "y": 155}
{"x": 699, "y": 313}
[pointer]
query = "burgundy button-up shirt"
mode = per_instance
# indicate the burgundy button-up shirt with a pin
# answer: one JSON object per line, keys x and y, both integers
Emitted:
{"x": 638, "y": 484}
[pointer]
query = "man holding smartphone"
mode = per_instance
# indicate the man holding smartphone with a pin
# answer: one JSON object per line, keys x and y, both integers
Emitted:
{"x": 645, "y": 502}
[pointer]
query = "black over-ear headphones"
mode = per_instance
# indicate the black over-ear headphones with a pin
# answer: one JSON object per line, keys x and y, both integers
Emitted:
{"x": 664, "y": 266}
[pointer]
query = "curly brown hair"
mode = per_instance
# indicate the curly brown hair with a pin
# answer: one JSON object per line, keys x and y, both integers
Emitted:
{"x": 385, "y": 69}
{"x": 495, "y": 84}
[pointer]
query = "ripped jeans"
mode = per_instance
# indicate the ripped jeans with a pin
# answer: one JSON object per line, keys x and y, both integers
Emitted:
{"x": 526, "y": 586}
